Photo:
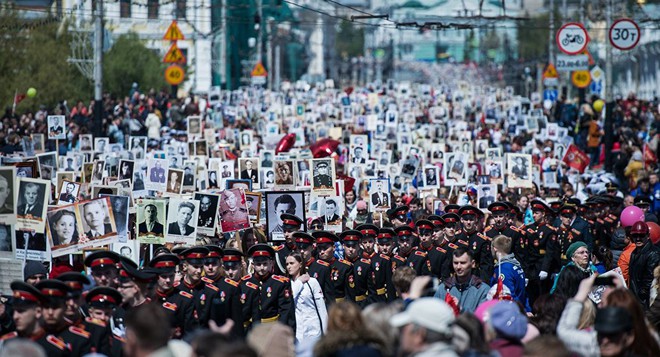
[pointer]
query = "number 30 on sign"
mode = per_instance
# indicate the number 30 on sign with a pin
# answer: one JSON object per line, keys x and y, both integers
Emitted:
{"x": 174, "y": 75}
{"x": 624, "y": 34}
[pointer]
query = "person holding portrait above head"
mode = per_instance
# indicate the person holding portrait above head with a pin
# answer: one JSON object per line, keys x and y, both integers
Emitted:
{"x": 233, "y": 216}
{"x": 5, "y": 193}
{"x": 321, "y": 178}
{"x": 95, "y": 214}
{"x": 63, "y": 228}
{"x": 151, "y": 224}
{"x": 181, "y": 226}
{"x": 68, "y": 195}
{"x": 30, "y": 207}
{"x": 380, "y": 198}
{"x": 250, "y": 173}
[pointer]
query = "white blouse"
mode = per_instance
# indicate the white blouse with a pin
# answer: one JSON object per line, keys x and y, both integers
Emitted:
{"x": 307, "y": 318}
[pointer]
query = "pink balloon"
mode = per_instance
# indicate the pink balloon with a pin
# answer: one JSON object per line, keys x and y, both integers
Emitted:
{"x": 286, "y": 143}
{"x": 630, "y": 215}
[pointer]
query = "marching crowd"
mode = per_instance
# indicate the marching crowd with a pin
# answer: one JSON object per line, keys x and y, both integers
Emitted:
{"x": 565, "y": 270}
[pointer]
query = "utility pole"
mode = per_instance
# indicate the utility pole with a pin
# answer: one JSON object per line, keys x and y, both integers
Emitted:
{"x": 609, "y": 104}
{"x": 269, "y": 51}
{"x": 223, "y": 45}
{"x": 551, "y": 40}
{"x": 277, "y": 68}
{"x": 260, "y": 32}
{"x": 98, "y": 68}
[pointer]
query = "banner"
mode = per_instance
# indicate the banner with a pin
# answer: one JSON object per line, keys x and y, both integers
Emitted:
{"x": 576, "y": 158}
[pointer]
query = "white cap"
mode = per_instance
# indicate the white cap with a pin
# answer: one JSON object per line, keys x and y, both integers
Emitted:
{"x": 431, "y": 313}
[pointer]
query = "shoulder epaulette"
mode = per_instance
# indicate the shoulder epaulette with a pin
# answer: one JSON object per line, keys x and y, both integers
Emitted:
{"x": 517, "y": 229}
{"x": 440, "y": 250}
{"x": 551, "y": 227}
{"x": 79, "y": 331}
{"x": 231, "y": 282}
{"x": 531, "y": 230}
{"x": 398, "y": 257}
{"x": 487, "y": 229}
{"x": 600, "y": 220}
{"x": 366, "y": 261}
{"x": 609, "y": 219}
{"x": 170, "y": 306}
{"x": 56, "y": 342}
{"x": 323, "y": 262}
{"x": 612, "y": 216}
{"x": 247, "y": 277}
{"x": 385, "y": 256}
{"x": 483, "y": 236}
{"x": 462, "y": 242}
{"x": 575, "y": 231}
{"x": 94, "y": 321}
{"x": 212, "y": 287}
{"x": 176, "y": 284}
{"x": 420, "y": 253}
{"x": 251, "y": 285}
{"x": 185, "y": 294}
{"x": 9, "y": 336}
{"x": 281, "y": 279}
{"x": 207, "y": 280}
{"x": 279, "y": 247}
{"x": 453, "y": 246}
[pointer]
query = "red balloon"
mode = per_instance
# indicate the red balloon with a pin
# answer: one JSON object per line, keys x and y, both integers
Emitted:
{"x": 286, "y": 143}
{"x": 348, "y": 90}
{"x": 654, "y": 232}
{"x": 324, "y": 147}
{"x": 349, "y": 182}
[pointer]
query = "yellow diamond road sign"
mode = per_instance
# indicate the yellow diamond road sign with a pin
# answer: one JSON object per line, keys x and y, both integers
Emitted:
{"x": 173, "y": 33}
{"x": 174, "y": 55}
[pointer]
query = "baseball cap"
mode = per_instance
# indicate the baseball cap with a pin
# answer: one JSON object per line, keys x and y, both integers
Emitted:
{"x": 430, "y": 313}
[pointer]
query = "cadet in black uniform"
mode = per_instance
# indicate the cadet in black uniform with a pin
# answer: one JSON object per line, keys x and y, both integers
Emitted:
{"x": 275, "y": 302}
{"x": 361, "y": 282}
{"x": 179, "y": 305}
{"x": 435, "y": 255}
{"x": 26, "y": 301}
{"x": 54, "y": 294}
{"x": 133, "y": 285}
{"x": 450, "y": 242}
{"x": 316, "y": 268}
{"x": 566, "y": 234}
{"x": 438, "y": 229}
{"x": 381, "y": 268}
{"x": 539, "y": 236}
{"x": 479, "y": 243}
{"x": 290, "y": 225}
{"x": 100, "y": 331}
{"x": 105, "y": 265}
{"x": 500, "y": 225}
{"x": 399, "y": 216}
{"x": 341, "y": 271}
{"x": 101, "y": 302}
{"x": 368, "y": 240}
{"x": 408, "y": 254}
{"x": 226, "y": 304}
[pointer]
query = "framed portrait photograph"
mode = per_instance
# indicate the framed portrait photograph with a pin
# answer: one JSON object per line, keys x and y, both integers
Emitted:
{"x": 120, "y": 206}
{"x": 455, "y": 168}
{"x": 253, "y": 203}
{"x": 246, "y": 139}
{"x": 379, "y": 195}
{"x": 332, "y": 210}
{"x": 174, "y": 182}
{"x": 31, "y": 245}
{"x": 138, "y": 147}
{"x": 519, "y": 170}
{"x": 200, "y": 148}
{"x": 284, "y": 174}
{"x": 7, "y": 201}
{"x": 550, "y": 179}
{"x": 31, "y": 199}
{"x": 56, "y": 127}
{"x": 267, "y": 177}
{"x": 86, "y": 142}
{"x": 98, "y": 222}
{"x": 126, "y": 168}
{"x": 104, "y": 190}
{"x": 194, "y": 126}
{"x": 47, "y": 165}
{"x": 493, "y": 154}
{"x": 150, "y": 218}
{"x": 249, "y": 170}
{"x": 302, "y": 173}
{"x": 267, "y": 159}
{"x": 480, "y": 149}
{"x": 157, "y": 178}
{"x": 63, "y": 230}
{"x": 38, "y": 141}
{"x": 208, "y": 212}
{"x": 26, "y": 169}
{"x": 98, "y": 171}
{"x": 7, "y": 241}
{"x": 233, "y": 210}
{"x": 69, "y": 191}
{"x": 277, "y": 202}
{"x": 242, "y": 184}
{"x": 486, "y": 194}
{"x": 431, "y": 177}
{"x": 70, "y": 163}
{"x": 139, "y": 176}
{"x": 181, "y": 221}
{"x": 324, "y": 175}
{"x": 129, "y": 249}
{"x": 101, "y": 145}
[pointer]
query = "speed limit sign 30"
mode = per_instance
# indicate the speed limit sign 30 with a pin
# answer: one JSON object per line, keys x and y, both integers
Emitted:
{"x": 624, "y": 34}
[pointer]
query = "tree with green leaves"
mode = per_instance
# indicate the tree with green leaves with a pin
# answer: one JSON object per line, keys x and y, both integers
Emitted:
{"x": 349, "y": 40}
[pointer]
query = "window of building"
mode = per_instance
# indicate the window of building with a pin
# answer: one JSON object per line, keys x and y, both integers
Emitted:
{"x": 125, "y": 8}
{"x": 152, "y": 9}
{"x": 180, "y": 9}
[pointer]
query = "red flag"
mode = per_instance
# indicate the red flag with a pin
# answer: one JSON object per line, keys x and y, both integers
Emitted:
{"x": 19, "y": 98}
{"x": 576, "y": 158}
{"x": 450, "y": 301}
{"x": 500, "y": 287}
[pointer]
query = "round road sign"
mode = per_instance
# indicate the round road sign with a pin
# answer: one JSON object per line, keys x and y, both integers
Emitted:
{"x": 581, "y": 79}
{"x": 572, "y": 38}
{"x": 624, "y": 34}
{"x": 174, "y": 74}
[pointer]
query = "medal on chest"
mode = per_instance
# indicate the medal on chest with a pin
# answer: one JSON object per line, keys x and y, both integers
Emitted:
{"x": 222, "y": 296}
{"x": 269, "y": 290}
{"x": 351, "y": 282}
{"x": 359, "y": 271}
{"x": 335, "y": 274}
{"x": 243, "y": 298}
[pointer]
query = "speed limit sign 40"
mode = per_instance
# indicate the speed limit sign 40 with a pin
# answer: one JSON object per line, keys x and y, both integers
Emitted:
{"x": 624, "y": 34}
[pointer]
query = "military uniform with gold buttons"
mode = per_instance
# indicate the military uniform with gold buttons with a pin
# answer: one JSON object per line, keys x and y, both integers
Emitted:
{"x": 415, "y": 258}
{"x": 361, "y": 281}
{"x": 381, "y": 265}
{"x": 435, "y": 255}
{"x": 226, "y": 303}
{"x": 539, "y": 238}
{"x": 479, "y": 243}
{"x": 317, "y": 268}
{"x": 341, "y": 271}
{"x": 565, "y": 237}
{"x": 516, "y": 234}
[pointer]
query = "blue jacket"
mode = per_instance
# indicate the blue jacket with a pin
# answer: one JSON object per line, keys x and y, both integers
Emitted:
{"x": 469, "y": 295}
{"x": 513, "y": 278}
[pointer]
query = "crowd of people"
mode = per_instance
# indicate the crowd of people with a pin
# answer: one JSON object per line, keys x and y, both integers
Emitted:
{"x": 453, "y": 220}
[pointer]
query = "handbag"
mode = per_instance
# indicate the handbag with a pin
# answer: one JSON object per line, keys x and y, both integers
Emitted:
{"x": 316, "y": 307}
